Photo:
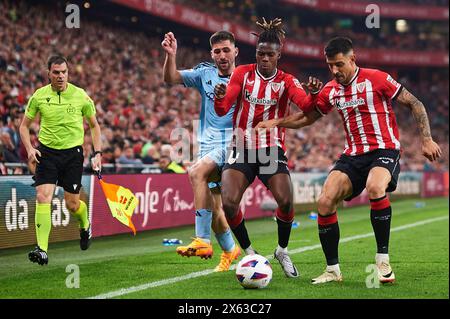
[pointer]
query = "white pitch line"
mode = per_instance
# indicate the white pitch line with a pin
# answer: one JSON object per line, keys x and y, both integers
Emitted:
{"x": 172, "y": 280}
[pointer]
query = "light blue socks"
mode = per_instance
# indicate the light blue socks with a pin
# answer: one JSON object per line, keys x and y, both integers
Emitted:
{"x": 203, "y": 220}
{"x": 226, "y": 241}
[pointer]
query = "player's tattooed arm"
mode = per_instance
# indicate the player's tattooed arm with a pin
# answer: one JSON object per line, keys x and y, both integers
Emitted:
{"x": 295, "y": 121}
{"x": 418, "y": 109}
{"x": 430, "y": 149}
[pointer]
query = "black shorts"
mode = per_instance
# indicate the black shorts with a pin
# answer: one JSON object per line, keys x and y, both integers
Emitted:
{"x": 357, "y": 168}
{"x": 60, "y": 167}
{"x": 263, "y": 162}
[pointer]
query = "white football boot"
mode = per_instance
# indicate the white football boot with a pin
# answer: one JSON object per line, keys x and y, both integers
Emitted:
{"x": 385, "y": 273}
{"x": 331, "y": 273}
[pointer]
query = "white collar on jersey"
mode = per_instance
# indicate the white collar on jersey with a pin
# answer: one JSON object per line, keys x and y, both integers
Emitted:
{"x": 353, "y": 78}
{"x": 269, "y": 78}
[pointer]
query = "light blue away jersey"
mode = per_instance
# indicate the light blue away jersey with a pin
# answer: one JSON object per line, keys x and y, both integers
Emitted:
{"x": 213, "y": 131}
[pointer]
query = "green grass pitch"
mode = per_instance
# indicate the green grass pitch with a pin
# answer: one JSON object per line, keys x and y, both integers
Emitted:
{"x": 124, "y": 266}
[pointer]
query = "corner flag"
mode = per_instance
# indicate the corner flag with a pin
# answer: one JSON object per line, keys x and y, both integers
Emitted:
{"x": 121, "y": 202}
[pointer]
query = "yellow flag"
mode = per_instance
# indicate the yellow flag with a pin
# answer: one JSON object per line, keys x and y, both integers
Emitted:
{"x": 121, "y": 202}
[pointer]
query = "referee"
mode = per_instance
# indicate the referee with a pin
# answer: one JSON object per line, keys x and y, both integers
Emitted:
{"x": 59, "y": 158}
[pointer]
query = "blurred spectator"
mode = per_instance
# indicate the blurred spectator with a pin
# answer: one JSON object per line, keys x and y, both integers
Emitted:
{"x": 169, "y": 166}
{"x": 150, "y": 156}
{"x": 166, "y": 150}
{"x": 316, "y": 27}
{"x": 3, "y": 169}
{"x": 10, "y": 153}
{"x": 108, "y": 156}
{"x": 13, "y": 130}
{"x": 127, "y": 157}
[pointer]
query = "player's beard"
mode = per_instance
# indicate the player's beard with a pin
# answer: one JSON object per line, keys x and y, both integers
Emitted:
{"x": 340, "y": 78}
{"x": 224, "y": 67}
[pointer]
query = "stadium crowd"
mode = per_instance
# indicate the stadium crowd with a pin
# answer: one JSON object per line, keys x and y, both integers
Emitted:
{"x": 421, "y": 36}
{"x": 122, "y": 72}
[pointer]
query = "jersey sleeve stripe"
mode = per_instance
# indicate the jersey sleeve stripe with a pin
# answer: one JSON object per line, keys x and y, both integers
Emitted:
{"x": 397, "y": 92}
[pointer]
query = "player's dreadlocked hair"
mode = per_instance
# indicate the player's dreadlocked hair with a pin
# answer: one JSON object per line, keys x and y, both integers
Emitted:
{"x": 273, "y": 31}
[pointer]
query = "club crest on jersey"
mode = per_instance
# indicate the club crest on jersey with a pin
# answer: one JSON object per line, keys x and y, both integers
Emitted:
{"x": 275, "y": 87}
{"x": 361, "y": 87}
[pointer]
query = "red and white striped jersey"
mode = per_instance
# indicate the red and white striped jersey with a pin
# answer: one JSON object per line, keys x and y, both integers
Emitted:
{"x": 259, "y": 99}
{"x": 366, "y": 110}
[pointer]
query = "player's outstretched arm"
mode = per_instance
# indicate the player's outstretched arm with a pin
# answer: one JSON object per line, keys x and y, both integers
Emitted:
{"x": 296, "y": 92}
{"x": 170, "y": 72}
{"x": 430, "y": 149}
{"x": 295, "y": 121}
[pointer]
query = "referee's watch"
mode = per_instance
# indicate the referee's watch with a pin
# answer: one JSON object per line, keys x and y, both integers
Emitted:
{"x": 98, "y": 152}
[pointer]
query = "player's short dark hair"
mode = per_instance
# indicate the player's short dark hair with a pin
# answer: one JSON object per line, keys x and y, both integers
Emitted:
{"x": 338, "y": 45}
{"x": 56, "y": 59}
{"x": 220, "y": 36}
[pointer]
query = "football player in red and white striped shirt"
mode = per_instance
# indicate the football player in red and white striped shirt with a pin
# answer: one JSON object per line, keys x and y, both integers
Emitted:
{"x": 372, "y": 149}
{"x": 261, "y": 92}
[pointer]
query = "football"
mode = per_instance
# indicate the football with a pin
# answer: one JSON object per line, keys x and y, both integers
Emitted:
{"x": 254, "y": 271}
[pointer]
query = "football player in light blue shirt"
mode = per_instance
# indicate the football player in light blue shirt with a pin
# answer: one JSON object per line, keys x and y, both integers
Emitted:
{"x": 213, "y": 136}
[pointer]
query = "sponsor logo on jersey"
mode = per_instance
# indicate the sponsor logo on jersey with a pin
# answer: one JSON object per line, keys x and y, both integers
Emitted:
{"x": 347, "y": 104}
{"x": 209, "y": 95}
{"x": 250, "y": 82}
{"x": 254, "y": 100}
